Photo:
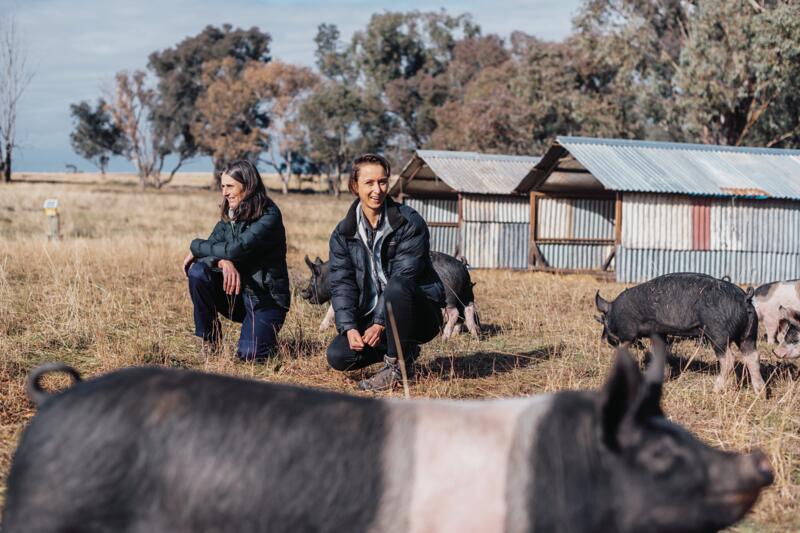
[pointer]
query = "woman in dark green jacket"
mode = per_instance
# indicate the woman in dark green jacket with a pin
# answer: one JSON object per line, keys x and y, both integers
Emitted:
{"x": 240, "y": 270}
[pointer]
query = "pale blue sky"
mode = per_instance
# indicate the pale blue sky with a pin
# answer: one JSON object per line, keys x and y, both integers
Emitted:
{"x": 76, "y": 46}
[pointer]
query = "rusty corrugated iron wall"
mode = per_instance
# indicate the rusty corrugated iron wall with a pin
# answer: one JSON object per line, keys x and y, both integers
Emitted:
{"x": 752, "y": 241}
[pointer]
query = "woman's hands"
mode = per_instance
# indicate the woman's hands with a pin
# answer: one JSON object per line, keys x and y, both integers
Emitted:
{"x": 231, "y": 283}
{"x": 187, "y": 263}
{"x": 355, "y": 340}
{"x": 371, "y": 337}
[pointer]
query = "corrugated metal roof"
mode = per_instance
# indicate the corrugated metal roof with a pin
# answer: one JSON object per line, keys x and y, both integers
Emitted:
{"x": 661, "y": 167}
{"x": 473, "y": 172}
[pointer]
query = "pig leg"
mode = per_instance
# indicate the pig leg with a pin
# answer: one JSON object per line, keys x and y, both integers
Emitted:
{"x": 328, "y": 320}
{"x": 751, "y": 360}
{"x": 771, "y": 325}
{"x": 451, "y": 315}
{"x": 725, "y": 370}
{"x": 469, "y": 320}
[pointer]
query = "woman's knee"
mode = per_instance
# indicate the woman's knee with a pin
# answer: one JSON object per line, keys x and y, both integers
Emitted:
{"x": 339, "y": 354}
{"x": 398, "y": 288}
{"x": 199, "y": 273}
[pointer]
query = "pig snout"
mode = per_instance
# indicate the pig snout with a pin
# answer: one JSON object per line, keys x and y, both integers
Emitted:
{"x": 758, "y": 470}
{"x": 787, "y": 351}
{"x": 306, "y": 293}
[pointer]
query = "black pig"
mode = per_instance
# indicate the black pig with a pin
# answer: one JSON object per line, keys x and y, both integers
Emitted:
{"x": 453, "y": 273}
{"x": 691, "y": 306}
{"x": 154, "y": 449}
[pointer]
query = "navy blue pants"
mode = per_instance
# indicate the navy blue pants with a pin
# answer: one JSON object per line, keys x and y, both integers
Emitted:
{"x": 261, "y": 321}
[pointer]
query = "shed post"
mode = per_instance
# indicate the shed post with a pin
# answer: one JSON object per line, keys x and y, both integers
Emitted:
{"x": 533, "y": 251}
{"x": 618, "y": 220}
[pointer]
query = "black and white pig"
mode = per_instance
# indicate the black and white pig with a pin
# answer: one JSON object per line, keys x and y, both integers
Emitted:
{"x": 688, "y": 305}
{"x": 790, "y": 344}
{"x": 453, "y": 273}
{"x": 167, "y": 450}
{"x": 769, "y": 298}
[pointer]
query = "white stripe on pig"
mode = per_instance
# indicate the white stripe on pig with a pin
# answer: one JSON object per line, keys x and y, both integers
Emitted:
{"x": 448, "y": 465}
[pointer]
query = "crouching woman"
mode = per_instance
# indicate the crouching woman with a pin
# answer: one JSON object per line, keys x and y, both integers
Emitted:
{"x": 380, "y": 255}
{"x": 240, "y": 271}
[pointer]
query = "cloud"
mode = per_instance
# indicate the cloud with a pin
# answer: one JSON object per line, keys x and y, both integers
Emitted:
{"x": 75, "y": 47}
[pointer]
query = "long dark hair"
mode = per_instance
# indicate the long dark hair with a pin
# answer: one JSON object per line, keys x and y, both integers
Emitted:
{"x": 255, "y": 200}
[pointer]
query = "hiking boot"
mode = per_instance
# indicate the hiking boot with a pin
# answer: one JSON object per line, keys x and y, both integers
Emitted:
{"x": 387, "y": 377}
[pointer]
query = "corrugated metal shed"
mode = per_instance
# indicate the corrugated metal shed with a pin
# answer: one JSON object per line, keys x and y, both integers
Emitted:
{"x": 665, "y": 222}
{"x": 677, "y": 168}
{"x": 496, "y": 231}
{"x": 468, "y": 172}
{"x": 755, "y": 268}
{"x": 435, "y": 210}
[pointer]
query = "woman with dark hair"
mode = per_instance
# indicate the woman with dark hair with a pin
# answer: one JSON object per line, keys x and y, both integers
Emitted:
{"x": 240, "y": 270}
{"x": 380, "y": 255}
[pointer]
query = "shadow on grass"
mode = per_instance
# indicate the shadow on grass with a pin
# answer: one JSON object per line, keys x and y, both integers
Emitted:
{"x": 484, "y": 364}
{"x": 490, "y": 330}
{"x": 296, "y": 348}
{"x": 770, "y": 371}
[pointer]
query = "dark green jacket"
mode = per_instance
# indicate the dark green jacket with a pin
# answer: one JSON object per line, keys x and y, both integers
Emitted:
{"x": 257, "y": 248}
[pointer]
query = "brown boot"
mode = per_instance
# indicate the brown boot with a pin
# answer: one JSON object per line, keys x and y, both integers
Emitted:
{"x": 387, "y": 377}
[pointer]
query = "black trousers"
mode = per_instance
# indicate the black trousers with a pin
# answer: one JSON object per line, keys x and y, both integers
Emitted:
{"x": 419, "y": 320}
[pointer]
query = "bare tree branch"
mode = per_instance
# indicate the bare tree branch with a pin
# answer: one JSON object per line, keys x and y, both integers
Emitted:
{"x": 15, "y": 76}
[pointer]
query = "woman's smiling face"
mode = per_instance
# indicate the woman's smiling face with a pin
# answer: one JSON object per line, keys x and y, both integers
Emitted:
{"x": 232, "y": 191}
{"x": 373, "y": 185}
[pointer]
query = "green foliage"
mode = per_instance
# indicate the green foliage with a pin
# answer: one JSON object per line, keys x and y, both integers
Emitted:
{"x": 96, "y": 137}
{"x": 179, "y": 71}
{"x": 716, "y": 71}
{"x": 343, "y": 121}
{"x": 739, "y": 71}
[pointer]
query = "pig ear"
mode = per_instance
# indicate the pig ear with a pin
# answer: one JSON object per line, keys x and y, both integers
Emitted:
{"x": 602, "y": 305}
{"x": 309, "y": 263}
{"x": 649, "y": 402}
{"x": 618, "y": 399}
{"x": 317, "y": 261}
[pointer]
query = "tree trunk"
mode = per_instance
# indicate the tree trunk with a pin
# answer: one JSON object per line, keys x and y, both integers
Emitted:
{"x": 337, "y": 189}
{"x": 7, "y": 164}
{"x": 219, "y": 164}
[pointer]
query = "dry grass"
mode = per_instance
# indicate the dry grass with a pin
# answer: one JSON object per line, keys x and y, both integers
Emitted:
{"x": 111, "y": 294}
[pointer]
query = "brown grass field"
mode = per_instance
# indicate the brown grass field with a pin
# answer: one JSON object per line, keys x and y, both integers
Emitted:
{"x": 111, "y": 294}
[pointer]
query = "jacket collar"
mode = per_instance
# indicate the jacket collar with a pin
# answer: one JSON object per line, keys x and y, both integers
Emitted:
{"x": 349, "y": 225}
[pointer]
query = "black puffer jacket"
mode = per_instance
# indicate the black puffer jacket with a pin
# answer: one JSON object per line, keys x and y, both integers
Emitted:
{"x": 257, "y": 248}
{"x": 405, "y": 251}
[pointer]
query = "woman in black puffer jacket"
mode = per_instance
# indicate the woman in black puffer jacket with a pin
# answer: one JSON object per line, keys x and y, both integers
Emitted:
{"x": 240, "y": 270}
{"x": 379, "y": 255}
